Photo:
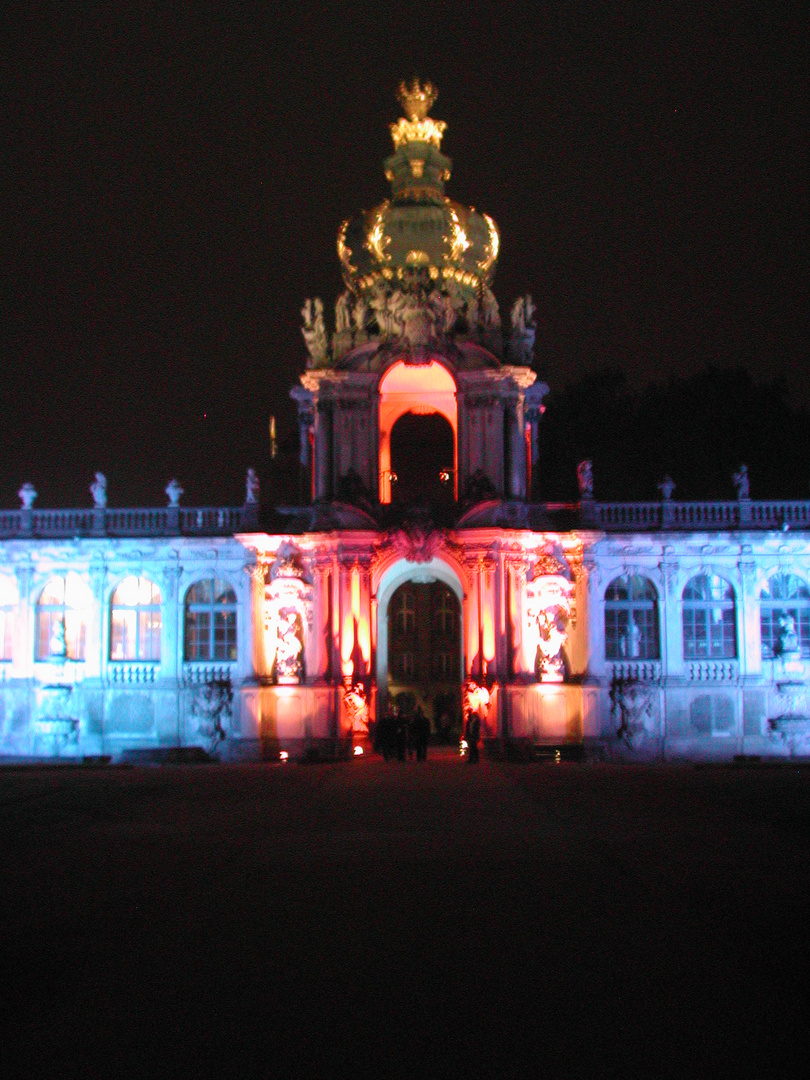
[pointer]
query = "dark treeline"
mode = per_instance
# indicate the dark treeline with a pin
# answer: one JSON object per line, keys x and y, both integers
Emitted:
{"x": 697, "y": 428}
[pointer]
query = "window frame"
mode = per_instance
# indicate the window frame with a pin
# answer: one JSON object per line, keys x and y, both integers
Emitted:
{"x": 138, "y": 647}
{"x": 72, "y": 617}
{"x": 224, "y": 651}
{"x": 796, "y": 606}
{"x": 640, "y": 611}
{"x": 698, "y": 625}
{"x": 405, "y": 612}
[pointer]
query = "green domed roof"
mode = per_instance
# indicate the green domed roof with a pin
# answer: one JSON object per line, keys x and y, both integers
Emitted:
{"x": 418, "y": 233}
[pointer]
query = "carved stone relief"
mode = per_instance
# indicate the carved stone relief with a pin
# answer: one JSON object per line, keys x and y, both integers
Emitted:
{"x": 548, "y": 612}
{"x": 288, "y": 614}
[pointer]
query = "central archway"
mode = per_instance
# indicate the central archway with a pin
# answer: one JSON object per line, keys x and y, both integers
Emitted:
{"x": 419, "y": 389}
{"x": 406, "y": 572}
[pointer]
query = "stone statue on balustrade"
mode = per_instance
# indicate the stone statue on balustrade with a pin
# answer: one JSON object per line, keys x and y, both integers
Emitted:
{"x": 521, "y": 339}
{"x": 27, "y": 494}
{"x": 343, "y": 314}
{"x": 741, "y": 484}
{"x": 490, "y": 311}
{"x": 342, "y": 339}
{"x": 360, "y": 318}
{"x": 314, "y": 331}
{"x": 98, "y": 489}
{"x": 585, "y": 479}
{"x": 173, "y": 491}
{"x": 252, "y": 491}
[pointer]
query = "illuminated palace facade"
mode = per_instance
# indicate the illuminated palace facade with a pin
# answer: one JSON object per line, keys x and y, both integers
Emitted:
{"x": 419, "y": 570}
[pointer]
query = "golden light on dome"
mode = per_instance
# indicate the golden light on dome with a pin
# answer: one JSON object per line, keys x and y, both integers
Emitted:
{"x": 492, "y": 248}
{"x": 377, "y": 241}
{"x": 407, "y": 131}
{"x": 458, "y": 242}
{"x": 344, "y": 252}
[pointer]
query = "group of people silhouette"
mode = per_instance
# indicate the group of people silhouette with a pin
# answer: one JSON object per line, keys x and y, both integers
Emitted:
{"x": 404, "y": 736}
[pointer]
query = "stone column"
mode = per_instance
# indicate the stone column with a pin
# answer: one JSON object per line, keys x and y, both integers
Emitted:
{"x": 517, "y": 471}
{"x": 471, "y": 627}
{"x": 323, "y": 439}
{"x": 670, "y": 627}
{"x": 254, "y": 636}
{"x": 171, "y": 650}
{"x": 749, "y": 629}
{"x": 500, "y": 614}
{"x": 23, "y": 655}
{"x": 516, "y": 587}
{"x": 95, "y": 650}
{"x": 320, "y": 643}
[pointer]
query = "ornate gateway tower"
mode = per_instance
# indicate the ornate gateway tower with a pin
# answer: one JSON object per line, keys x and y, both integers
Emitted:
{"x": 417, "y": 568}
{"x": 418, "y": 334}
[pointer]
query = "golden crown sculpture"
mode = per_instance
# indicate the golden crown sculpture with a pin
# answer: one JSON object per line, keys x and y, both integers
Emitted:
{"x": 416, "y": 100}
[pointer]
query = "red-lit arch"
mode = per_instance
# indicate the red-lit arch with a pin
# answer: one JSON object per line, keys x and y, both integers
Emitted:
{"x": 415, "y": 388}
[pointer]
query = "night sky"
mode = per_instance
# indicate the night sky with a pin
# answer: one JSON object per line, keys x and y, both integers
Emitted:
{"x": 174, "y": 177}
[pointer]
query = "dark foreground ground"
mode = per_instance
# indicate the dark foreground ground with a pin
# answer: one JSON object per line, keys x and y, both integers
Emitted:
{"x": 404, "y": 920}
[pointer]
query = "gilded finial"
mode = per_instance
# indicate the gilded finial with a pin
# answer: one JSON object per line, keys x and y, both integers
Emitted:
{"x": 416, "y": 100}
{"x": 416, "y": 126}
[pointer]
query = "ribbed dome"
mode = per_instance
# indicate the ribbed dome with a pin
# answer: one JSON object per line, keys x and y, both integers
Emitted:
{"x": 418, "y": 234}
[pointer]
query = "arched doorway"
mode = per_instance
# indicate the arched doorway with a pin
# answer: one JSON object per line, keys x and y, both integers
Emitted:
{"x": 422, "y": 456}
{"x": 420, "y": 641}
{"x": 419, "y": 389}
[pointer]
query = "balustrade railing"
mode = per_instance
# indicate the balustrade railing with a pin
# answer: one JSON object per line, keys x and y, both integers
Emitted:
{"x": 712, "y": 670}
{"x": 197, "y": 673}
{"x": 635, "y": 671}
{"x": 118, "y": 672}
{"x": 226, "y": 520}
{"x": 129, "y": 521}
{"x": 697, "y": 516}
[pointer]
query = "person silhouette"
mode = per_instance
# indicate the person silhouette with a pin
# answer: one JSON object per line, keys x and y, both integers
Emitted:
{"x": 473, "y": 734}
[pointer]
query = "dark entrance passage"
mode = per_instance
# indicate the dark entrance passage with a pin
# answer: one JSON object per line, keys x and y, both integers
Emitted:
{"x": 424, "y": 654}
{"x": 422, "y": 459}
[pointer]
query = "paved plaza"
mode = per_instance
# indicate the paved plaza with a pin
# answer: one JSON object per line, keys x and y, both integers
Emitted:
{"x": 404, "y": 919}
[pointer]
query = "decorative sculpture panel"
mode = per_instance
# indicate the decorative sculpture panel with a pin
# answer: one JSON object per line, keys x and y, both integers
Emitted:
{"x": 287, "y": 615}
{"x": 549, "y": 601}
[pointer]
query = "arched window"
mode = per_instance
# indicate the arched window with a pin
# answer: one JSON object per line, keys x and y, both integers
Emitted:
{"x": 8, "y": 603}
{"x": 785, "y": 616}
{"x": 631, "y": 619}
{"x": 135, "y": 620}
{"x": 210, "y": 621}
{"x": 61, "y": 619}
{"x": 709, "y": 628}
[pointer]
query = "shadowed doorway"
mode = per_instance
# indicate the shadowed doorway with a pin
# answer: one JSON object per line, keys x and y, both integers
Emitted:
{"x": 422, "y": 451}
{"x": 424, "y": 653}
